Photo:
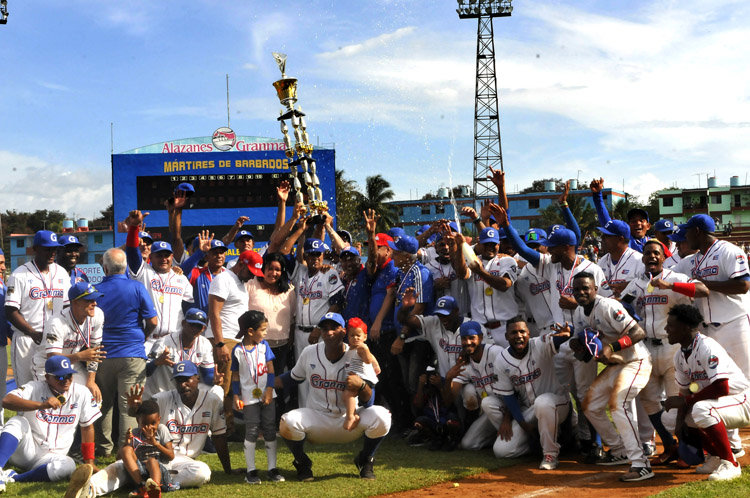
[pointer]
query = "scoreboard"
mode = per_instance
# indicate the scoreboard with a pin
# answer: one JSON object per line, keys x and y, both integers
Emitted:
{"x": 228, "y": 184}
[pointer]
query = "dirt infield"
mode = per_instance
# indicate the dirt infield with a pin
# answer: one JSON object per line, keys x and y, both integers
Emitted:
{"x": 571, "y": 477}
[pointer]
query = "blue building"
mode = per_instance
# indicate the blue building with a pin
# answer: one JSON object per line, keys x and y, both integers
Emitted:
{"x": 95, "y": 242}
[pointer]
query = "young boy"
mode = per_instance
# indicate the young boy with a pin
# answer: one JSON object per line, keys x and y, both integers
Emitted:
{"x": 360, "y": 361}
{"x": 146, "y": 451}
{"x": 437, "y": 421}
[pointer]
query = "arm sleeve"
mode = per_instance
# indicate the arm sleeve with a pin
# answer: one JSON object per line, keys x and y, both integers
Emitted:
{"x": 235, "y": 364}
{"x": 207, "y": 375}
{"x": 192, "y": 261}
{"x": 133, "y": 253}
{"x": 571, "y": 223}
{"x": 601, "y": 209}
{"x": 511, "y": 403}
{"x": 520, "y": 246}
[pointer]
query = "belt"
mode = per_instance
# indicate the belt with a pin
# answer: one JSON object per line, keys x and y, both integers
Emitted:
{"x": 655, "y": 342}
{"x": 305, "y": 329}
{"x": 493, "y": 325}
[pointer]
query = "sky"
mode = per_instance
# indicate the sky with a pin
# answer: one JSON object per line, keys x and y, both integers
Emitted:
{"x": 646, "y": 94}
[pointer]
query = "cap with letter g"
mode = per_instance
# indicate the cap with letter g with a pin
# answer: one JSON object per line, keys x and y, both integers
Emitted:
{"x": 58, "y": 365}
{"x": 45, "y": 238}
{"x": 445, "y": 305}
{"x": 184, "y": 369}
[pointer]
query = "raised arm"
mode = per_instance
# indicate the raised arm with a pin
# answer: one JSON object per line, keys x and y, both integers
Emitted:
{"x": 229, "y": 237}
{"x": 371, "y": 223}
{"x": 596, "y": 187}
{"x": 530, "y": 255}
{"x": 278, "y": 237}
{"x": 567, "y": 214}
{"x": 132, "y": 243}
{"x": 498, "y": 179}
{"x": 175, "y": 223}
{"x": 337, "y": 243}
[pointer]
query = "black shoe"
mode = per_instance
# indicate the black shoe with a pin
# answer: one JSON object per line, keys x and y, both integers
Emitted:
{"x": 364, "y": 466}
{"x": 304, "y": 469}
{"x": 275, "y": 476}
{"x": 593, "y": 455}
{"x": 252, "y": 477}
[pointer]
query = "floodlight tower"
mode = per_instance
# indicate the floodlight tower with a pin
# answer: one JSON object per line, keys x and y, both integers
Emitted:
{"x": 487, "y": 149}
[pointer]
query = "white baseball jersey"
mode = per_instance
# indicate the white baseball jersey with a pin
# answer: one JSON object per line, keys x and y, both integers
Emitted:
{"x": 489, "y": 304}
{"x": 327, "y": 380}
{"x": 672, "y": 261}
{"x": 653, "y": 306}
{"x": 458, "y": 289}
{"x": 313, "y": 293}
{"x": 530, "y": 376}
{"x": 355, "y": 365}
{"x": 167, "y": 291}
{"x": 624, "y": 270}
{"x": 541, "y": 287}
{"x": 707, "y": 363}
{"x": 252, "y": 365}
{"x": 722, "y": 261}
{"x": 63, "y": 335}
{"x": 610, "y": 319}
{"x": 445, "y": 344}
{"x": 426, "y": 254}
{"x": 200, "y": 352}
{"x": 37, "y": 295}
{"x": 53, "y": 430}
{"x": 189, "y": 427}
{"x": 482, "y": 374}
{"x": 227, "y": 286}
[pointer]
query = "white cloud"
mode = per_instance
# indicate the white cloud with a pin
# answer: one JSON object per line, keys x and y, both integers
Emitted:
{"x": 54, "y": 86}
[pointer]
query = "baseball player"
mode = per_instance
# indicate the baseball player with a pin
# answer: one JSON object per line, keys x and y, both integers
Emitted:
{"x": 637, "y": 218}
{"x": 662, "y": 230}
{"x": 36, "y": 291}
{"x": 212, "y": 251}
{"x": 713, "y": 391}
{"x": 490, "y": 280}
{"x": 620, "y": 382}
{"x": 190, "y": 411}
{"x": 652, "y": 295}
{"x": 444, "y": 278}
{"x": 243, "y": 241}
{"x": 67, "y": 257}
{"x": 75, "y": 333}
{"x": 322, "y": 418}
{"x": 622, "y": 263}
{"x": 37, "y": 440}
{"x": 186, "y": 345}
{"x": 167, "y": 289}
{"x": 475, "y": 367}
{"x": 682, "y": 248}
{"x": 528, "y": 390}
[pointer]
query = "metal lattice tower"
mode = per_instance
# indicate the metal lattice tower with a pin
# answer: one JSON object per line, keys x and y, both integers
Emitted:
{"x": 487, "y": 148}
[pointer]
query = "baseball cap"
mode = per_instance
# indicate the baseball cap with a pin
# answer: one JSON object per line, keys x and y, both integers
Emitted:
{"x": 254, "y": 262}
{"x": 45, "y": 238}
{"x": 405, "y": 243}
{"x": 534, "y": 236}
{"x": 489, "y": 234}
{"x": 217, "y": 244}
{"x": 678, "y": 235}
{"x": 196, "y": 316}
{"x": 243, "y": 233}
{"x": 85, "y": 291}
{"x": 314, "y": 245}
{"x": 445, "y": 305}
{"x": 422, "y": 229}
{"x": 69, "y": 240}
{"x": 638, "y": 211}
{"x": 396, "y": 233}
{"x": 161, "y": 246}
{"x": 470, "y": 328}
{"x": 184, "y": 369}
{"x": 333, "y": 317}
{"x": 616, "y": 227}
{"x": 382, "y": 239}
{"x": 664, "y": 226}
{"x": 345, "y": 236}
{"x": 145, "y": 235}
{"x": 590, "y": 340}
{"x": 454, "y": 226}
{"x": 350, "y": 250}
{"x": 185, "y": 187}
{"x": 701, "y": 221}
{"x": 560, "y": 236}
{"x": 58, "y": 365}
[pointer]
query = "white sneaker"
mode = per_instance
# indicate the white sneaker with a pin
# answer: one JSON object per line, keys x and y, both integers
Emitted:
{"x": 549, "y": 463}
{"x": 726, "y": 471}
{"x": 707, "y": 467}
{"x": 80, "y": 482}
{"x": 738, "y": 452}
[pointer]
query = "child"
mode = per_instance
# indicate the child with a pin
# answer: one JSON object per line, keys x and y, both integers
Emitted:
{"x": 360, "y": 361}
{"x": 252, "y": 385}
{"x": 437, "y": 421}
{"x": 146, "y": 451}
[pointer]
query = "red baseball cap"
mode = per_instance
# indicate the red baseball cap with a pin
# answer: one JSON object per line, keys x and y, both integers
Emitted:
{"x": 382, "y": 239}
{"x": 254, "y": 262}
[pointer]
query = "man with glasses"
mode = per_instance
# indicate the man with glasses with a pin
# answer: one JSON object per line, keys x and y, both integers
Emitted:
{"x": 37, "y": 440}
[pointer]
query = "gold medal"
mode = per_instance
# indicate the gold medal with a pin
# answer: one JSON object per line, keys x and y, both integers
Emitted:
{"x": 49, "y": 305}
{"x": 61, "y": 399}
{"x": 694, "y": 387}
{"x": 649, "y": 288}
{"x": 306, "y": 301}
{"x": 161, "y": 299}
{"x": 488, "y": 291}
{"x": 257, "y": 393}
{"x": 484, "y": 394}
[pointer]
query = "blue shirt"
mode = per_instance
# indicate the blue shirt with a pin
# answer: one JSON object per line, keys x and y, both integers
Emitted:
{"x": 603, "y": 215}
{"x": 384, "y": 277}
{"x": 125, "y": 304}
{"x": 357, "y": 296}
{"x": 78, "y": 275}
{"x": 419, "y": 277}
{"x": 200, "y": 278}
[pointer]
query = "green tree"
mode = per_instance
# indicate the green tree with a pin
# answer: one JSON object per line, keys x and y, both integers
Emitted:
{"x": 582, "y": 210}
{"x": 348, "y": 198}
{"x": 377, "y": 193}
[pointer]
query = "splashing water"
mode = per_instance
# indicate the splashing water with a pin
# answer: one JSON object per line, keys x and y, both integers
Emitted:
{"x": 450, "y": 186}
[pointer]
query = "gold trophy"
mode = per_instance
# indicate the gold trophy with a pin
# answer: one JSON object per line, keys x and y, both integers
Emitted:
{"x": 286, "y": 89}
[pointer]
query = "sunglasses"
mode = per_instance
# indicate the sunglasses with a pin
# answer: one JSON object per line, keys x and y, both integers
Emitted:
{"x": 63, "y": 378}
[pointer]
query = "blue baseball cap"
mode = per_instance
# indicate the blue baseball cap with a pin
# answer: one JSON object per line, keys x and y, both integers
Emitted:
{"x": 638, "y": 211}
{"x": 396, "y": 233}
{"x": 145, "y": 235}
{"x": 445, "y": 305}
{"x": 470, "y": 328}
{"x": 45, "y": 238}
{"x": 160, "y": 245}
{"x": 243, "y": 233}
{"x": 350, "y": 250}
{"x": 616, "y": 227}
{"x": 85, "y": 291}
{"x": 678, "y": 235}
{"x": 345, "y": 236}
{"x": 534, "y": 236}
{"x": 422, "y": 229}
{"x": 58, "y": 365}
{"x": 454, "y": 226}
{"x": 185, "y": 187}
{"x": 69, "y": 240}
{"x": 489, "y": 234}
{"x": 196, "y": 316}
{"x": 405, "y": 243}
{"x": 184, "y": 369}
{"x": 333, "y": 317}
{"x": 664, "y": 226}
{"x": 590, "y": 340}
{"x": 314, "y": 245}
{"x": 560, "y": 236}
{"x": 701, "y": 221}
{"x": 217, "y": 244}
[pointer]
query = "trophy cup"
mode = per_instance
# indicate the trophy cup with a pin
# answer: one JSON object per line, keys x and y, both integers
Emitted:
{"x": 286, "y": 89}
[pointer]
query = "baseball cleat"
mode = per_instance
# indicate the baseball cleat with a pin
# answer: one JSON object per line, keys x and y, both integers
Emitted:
{"x": 80, "y": 482}
{"x": 637, "y": 474}
{"x": 364, "y": 466}
{"x": 550, "y": 462}
{"x": 304, "y": 469}
{"x": 726, "y": 471}
{"x": 609, "y": 459}
{"x": 708, "y": 467}
{"x": 252, "y": 477}
{"x": 275, "y": 476}
{"x": 738, "y": 452}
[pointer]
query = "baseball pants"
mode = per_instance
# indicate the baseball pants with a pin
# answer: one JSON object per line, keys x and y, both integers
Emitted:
{"x": 616, "y": 387}
{"x": 29, "y": 456}
{"x": 184, "y": 470}
{"x": 300, "y": 343}
{"x": 733, "y": 336}
{"x": 577, "y": 377}
{"x": 733, "y": 410}
{"x": 318, "y": 427}
{"x": 22, "y": 350}
{"x": 661, "y": 381}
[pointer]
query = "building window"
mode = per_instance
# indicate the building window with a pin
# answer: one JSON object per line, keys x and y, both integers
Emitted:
{"x": 426, "y": 209}
{"x": 98, "y": 238}
{"x": 439, "y": 208}
{"x": 737, "y": 200}
{"x": 400, "y": 210}
{"x": 533, "y": 203}
{"x": 668, "y": 201}
{"x": 716, "y": 199}
{"x": 19, "y": 242}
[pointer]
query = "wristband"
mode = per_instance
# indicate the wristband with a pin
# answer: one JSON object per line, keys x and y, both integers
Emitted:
{"x": 478, "y": 220}
{"x": 623, "y": 342}
{"x": 685, "y": 288}
{"x": 87, "y": 451}
{"x": 236, "y": 389}
{"x": 270, "y": 380}
{"x": 564, "y": 204}
{"x": 219, "y": 345}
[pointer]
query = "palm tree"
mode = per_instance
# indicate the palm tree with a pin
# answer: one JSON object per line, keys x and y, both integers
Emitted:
{"x": 582, "y": 210}
{"x": 377, "y": 193}
{"x": 348, "y": 198}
